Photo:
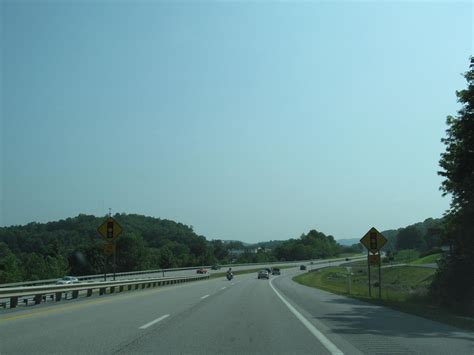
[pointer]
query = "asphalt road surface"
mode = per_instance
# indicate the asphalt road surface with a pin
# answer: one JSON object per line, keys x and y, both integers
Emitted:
{"x": 243, "y": 316}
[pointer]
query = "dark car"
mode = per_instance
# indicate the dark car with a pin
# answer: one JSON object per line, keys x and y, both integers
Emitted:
{"x": 263, "y": 274}
{"x": 275, "y": 271}
{"x": 201, "y": 271}
{"x": 302, "y": 267}
{"x": 268, "y": 270}
{"x": 215, "y": 267}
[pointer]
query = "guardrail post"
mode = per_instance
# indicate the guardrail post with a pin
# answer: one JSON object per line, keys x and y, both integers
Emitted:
{"x": 101, "y": 291}
{"x": 38, "y": 299}
{"x": 136, "y": 286}
{"x": 89, "y": 292}
{"x": 112, "y": 289}
{"x": 129, "y": 287}
{"x": 143, "y": 286}
{"x": 59, "y": 295}
{"x": 13, "y": 302}
{"x": 75, "y": 294}
{"x": 120, "y": 288}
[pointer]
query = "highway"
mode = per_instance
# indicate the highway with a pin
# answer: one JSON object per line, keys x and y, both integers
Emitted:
{"x": 243, "y": 316}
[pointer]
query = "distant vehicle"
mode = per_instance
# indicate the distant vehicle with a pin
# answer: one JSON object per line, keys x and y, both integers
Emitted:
{"x": 263, "y": 274}
{"x": 230, "y": 276}
{"x": 275, "y": 271}
{"x": 302, "y": 267}
{"x": 215, "y": 267}
{"x": 347, "y": 259}
{"x": 201, "y": 271}
{"x": 268, "y": 270}
{"x": 312, "y": 263}
{"x": 67, "y": 280}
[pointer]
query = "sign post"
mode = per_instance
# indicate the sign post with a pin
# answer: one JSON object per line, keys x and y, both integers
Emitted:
{"x": 380, "y": 278}
{"x": 110, "y": 230}
{"x": 373, "y": 240}
{"x": 368, "y": 271}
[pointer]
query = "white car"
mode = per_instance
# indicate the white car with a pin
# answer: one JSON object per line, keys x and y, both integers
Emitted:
{"x": 67, "y": 280}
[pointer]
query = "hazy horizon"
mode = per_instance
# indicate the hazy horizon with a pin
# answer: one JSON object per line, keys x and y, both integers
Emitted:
{"x": 249, "y": 121}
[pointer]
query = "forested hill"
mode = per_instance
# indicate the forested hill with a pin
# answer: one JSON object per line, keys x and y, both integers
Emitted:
{"x": 422, "y": 235}
{"x": 44, "y": 250}
{"x": 73, "y": 246}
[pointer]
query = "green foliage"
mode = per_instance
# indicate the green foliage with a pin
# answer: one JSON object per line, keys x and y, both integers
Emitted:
{"x": 314, "y": 245}
{"x": 73, "y": 246}
{"x": 429, "y": 259}
{"x": 9, "y": 267}
{"x": 410, "y": 238}
{"x": 422, "y": 236}
{"x": 454, "y": 283}
{"x": 406, "y": 256}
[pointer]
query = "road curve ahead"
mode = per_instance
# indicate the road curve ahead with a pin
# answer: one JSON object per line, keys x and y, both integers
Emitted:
{"x": 244, "y": 316}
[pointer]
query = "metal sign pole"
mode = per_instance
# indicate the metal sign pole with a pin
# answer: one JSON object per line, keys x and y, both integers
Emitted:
{"x": 368, "y": 268}
{"x": 115, "y": 263}
{"x": 380, "y": 277}
{"x": 105, "y": 267}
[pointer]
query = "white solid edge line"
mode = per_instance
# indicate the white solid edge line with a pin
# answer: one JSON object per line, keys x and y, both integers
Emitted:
{"x": 223, "y": 288}
{"x": 206, "y": 296}
{"x": 333, "y": 349}
{"x": 154, "y": 321}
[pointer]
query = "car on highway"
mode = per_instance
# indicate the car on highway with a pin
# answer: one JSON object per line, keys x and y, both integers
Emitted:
{"x": 67, "y": 280}
{"x": 302, "y": 267}
{"x": 201, "y": 271}
{"x": 215, "y": 267}
{"x": 263, "y": 274}
{"x": 275, "y": 271}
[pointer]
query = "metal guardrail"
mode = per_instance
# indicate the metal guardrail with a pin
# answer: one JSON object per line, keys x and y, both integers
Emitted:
{"x": 154, "y": 271}
{"x": 41, "y": 292}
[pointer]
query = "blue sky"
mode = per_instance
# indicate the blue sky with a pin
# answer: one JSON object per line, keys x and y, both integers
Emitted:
{"x": 246, "y": 120}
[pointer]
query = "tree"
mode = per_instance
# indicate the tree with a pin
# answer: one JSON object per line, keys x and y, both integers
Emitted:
{"x": 9, "y": 268}
{"x": 454, "y": 281}
{"x": 132, "y": 254}
{"x": 166, "y": 258}
{"x": 409, "y": 238}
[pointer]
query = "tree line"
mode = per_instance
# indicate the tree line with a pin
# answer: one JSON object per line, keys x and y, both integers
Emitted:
{"x": 73, "y": 246}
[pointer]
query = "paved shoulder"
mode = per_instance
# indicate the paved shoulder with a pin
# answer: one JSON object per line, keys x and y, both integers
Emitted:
{"x": 370, "y": 328}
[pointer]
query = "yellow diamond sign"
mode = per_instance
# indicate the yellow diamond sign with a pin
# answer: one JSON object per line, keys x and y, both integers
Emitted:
{"x": 373, "y": 240}
{"x": 110, "y": 229}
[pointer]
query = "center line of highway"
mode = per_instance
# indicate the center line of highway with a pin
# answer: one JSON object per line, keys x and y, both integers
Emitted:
{"x": 333, "y": 349}
{"x": 154, "y": 321}
{"x": 203, "y": 297}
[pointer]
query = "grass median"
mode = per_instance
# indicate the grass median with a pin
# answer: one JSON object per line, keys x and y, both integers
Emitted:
{"x": 404, "y": 288}
{"x": 249, "y": 271}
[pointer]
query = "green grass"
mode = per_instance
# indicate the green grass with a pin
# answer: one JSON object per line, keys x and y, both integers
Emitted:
{"x": 430, "y": 259}
{"x": 348, "y": 255}
{"x": 406, "y": 256}
{"x": 403, "y": 288}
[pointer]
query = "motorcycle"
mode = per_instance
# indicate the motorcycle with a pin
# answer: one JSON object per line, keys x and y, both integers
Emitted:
{"x": 230, "y": 276}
